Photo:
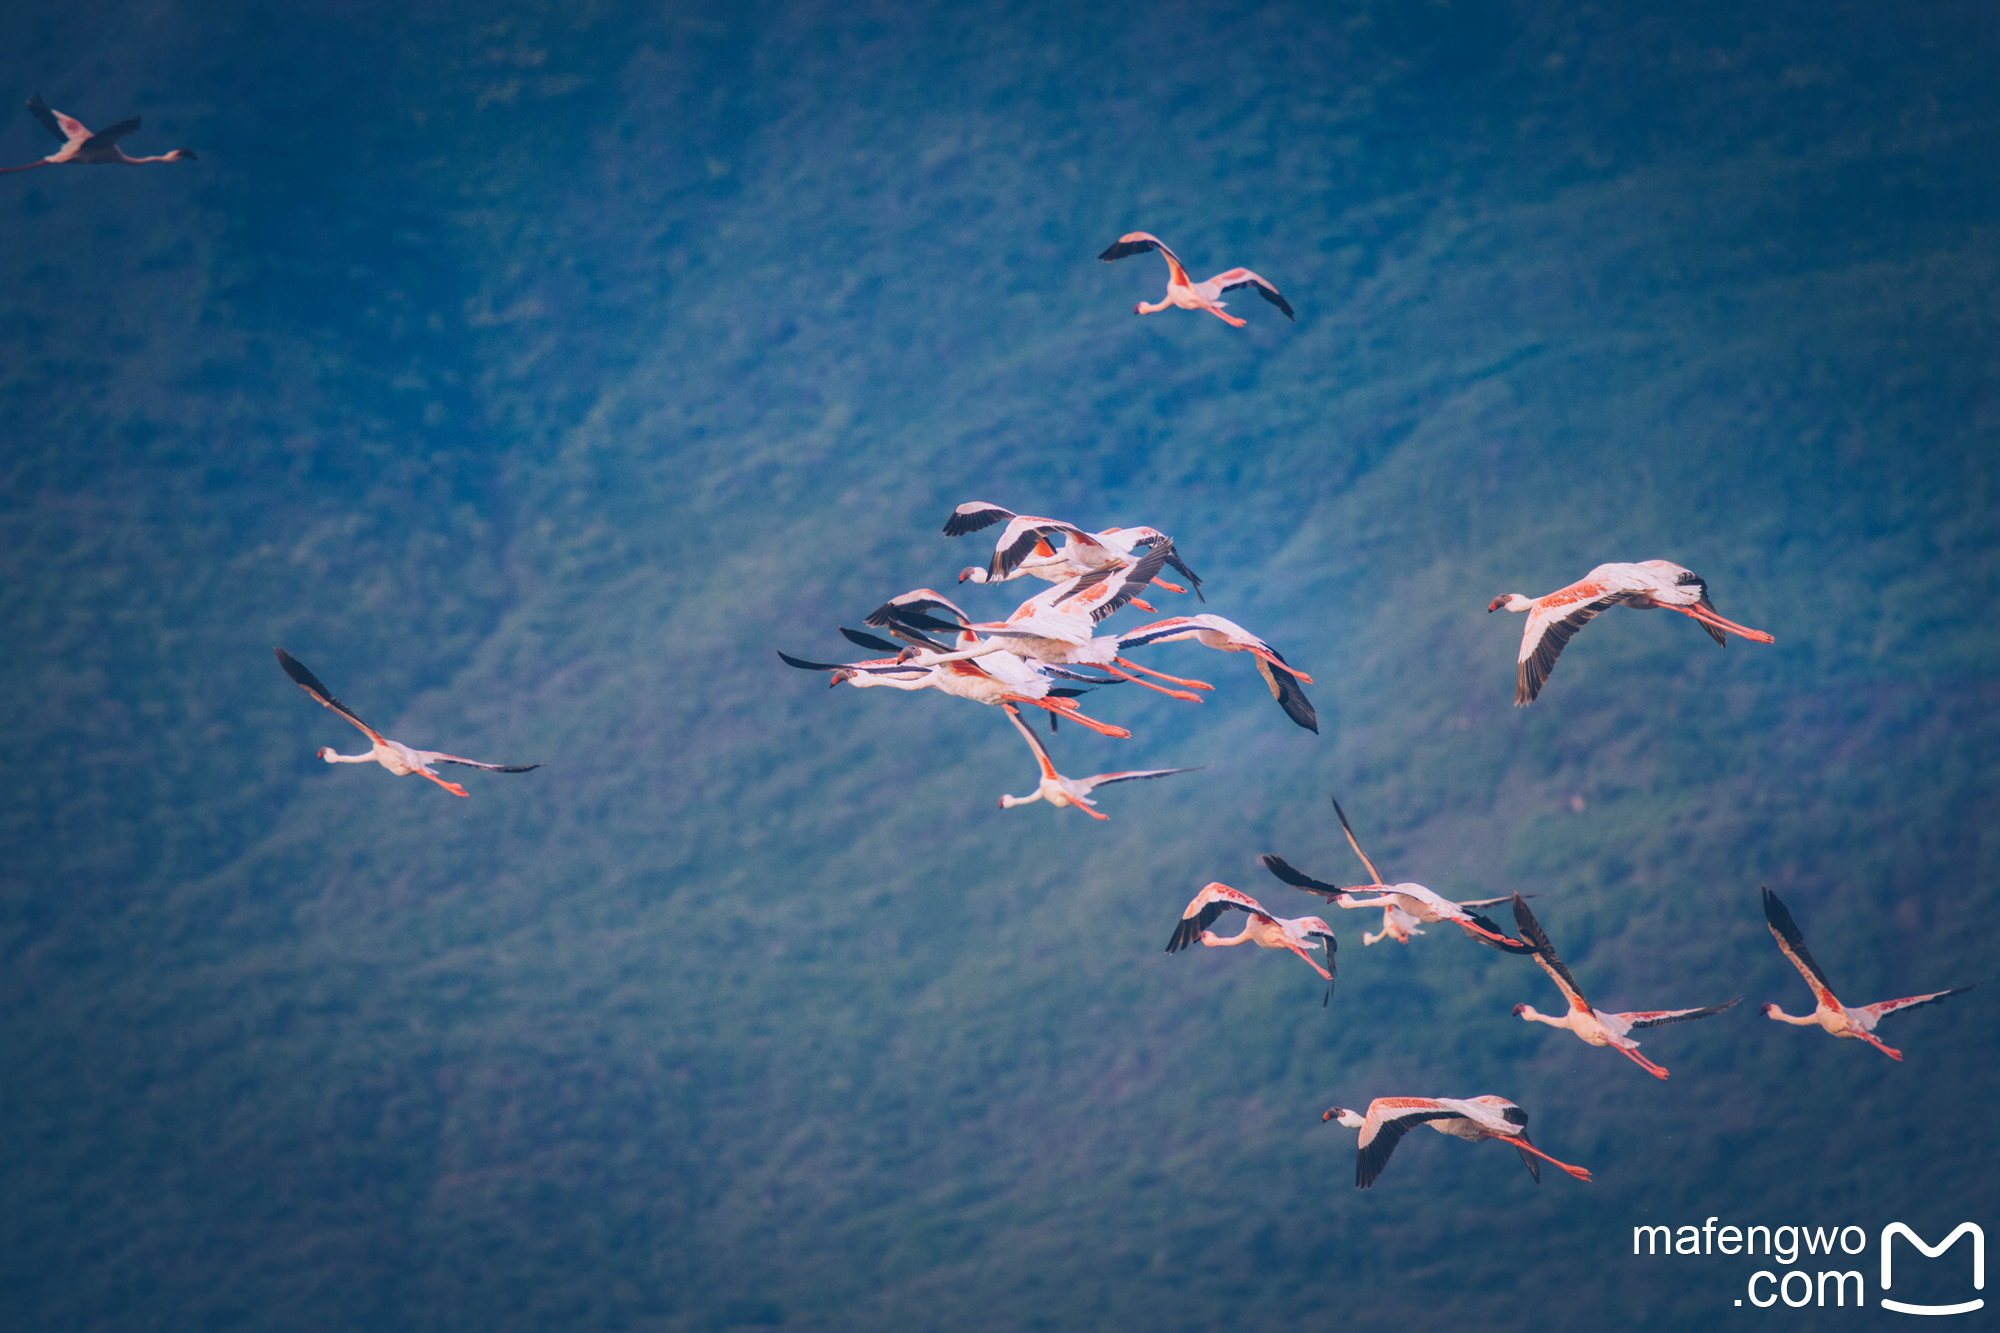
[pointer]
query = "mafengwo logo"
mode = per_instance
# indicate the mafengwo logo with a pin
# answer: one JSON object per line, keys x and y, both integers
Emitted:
{"x": 1802, "y": 1252}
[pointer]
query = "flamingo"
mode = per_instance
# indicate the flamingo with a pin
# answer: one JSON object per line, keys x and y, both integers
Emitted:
{"x": 1473, "y": 1118}
{"x": 1555, "y": 617}
{"x": 1000, "y": 678}
{"x": 1192, "y": 295}
{"x": 1403, "y": 905}
{"x": 1229, "y": 637}
{"x": 398, "y": 758}
{"x": 1263, "y": 929}
{"x": 1023, "y": 547}
{"x": 907, "y": 616}
{"x": 1594, "y": 1025}
{"x": 1829, "y": 1013}
{"x": 1060, "y": 791}
{"x": 82, "y": 148}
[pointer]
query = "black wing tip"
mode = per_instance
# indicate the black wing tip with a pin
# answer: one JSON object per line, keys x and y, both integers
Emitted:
{"x": 861, "y": 640}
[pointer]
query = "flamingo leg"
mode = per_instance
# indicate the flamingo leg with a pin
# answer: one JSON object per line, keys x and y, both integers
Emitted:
{"x": 1170, "y": 587}
{"x": 1324, "y": 975}
{"x": 1161, "y": 675}
{"x": 1876, "y": 1042}
{"x": 1063, "y": 708}
{"x": 1290, "y": 670}
{"x": 1708, "y": 617}
{"x": 1526, "y": 1146}
{"x": 451, "y": 787}
{"x": 1655, "y": 1070}
{"x": 1215, "y": 308}
{"x": 1178, "y": 694}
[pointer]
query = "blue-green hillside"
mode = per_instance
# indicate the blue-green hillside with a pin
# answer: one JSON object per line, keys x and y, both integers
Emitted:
{"x": 535, "y": 372}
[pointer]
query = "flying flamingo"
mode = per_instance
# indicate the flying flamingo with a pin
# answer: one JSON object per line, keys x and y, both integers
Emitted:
{"x": 82, "y": 148}
{"x": 1594, "y": 1025}
{"x": 398, "y": 758}
{"x": 1023, "y": 547}
{"x": 1230, "y": 637}
{"x": 1192, "y": 295}
{"x": 1263, "y": 929}
{"x": 1000, "y": 678}
{"x": 1403, "y": 905}
{"x": 1555, "y": 617}
{"x": 1058, "y": 790}
{"x": 1474, "y": 1118}
{"x": 1830, "y": 1014}
{"x": 908, "y": 616}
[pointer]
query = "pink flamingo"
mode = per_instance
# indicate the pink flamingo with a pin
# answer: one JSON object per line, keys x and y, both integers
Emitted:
{"x": 82, "y": 148}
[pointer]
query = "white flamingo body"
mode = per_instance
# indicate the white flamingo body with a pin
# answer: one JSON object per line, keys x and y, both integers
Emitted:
{"x": 1554, "y": 618}
{"x": 1590, "y": 1024}
{"x": 1264, "y": 929}
{"x": 398, "y": 758}
{"x": 1060, "y": 791}
{"x": 1471, "y": 1118}
{"x": 1829, "y": 1014}
{"x": 1187, "y": 294}
{"x": 81, "y": 148}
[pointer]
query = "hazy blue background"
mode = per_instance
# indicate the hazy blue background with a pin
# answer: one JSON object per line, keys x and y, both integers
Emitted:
{"x": 532, "y": 372}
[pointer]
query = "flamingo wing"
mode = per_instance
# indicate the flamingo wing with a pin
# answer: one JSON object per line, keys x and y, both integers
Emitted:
{"x": 1210, "y": 903}
{"x": 1285, "y": 689}
{"x": 911, "y": 607}
{"x": 1020, "y": 538}
{"x": 875, "y": 668}
{"x": 1659, "y": 1018}
{"x": 1877, "y": 1010}
{"x": 312, "y": 685}
{"x": 1103, "y": 591}
{"x": 973, "y": 516}
{"x": 490, "y": 768}
{"x": 1106, "y": 779}
{"x": 1545, "y": 954}
{"x": 1387, "y": 1123}
{"x": 1792, "y": 942}
{"x": 66, "y": 128}
{"x": 1243, "y": 277}
{"x": 1298, "y": 879}
{"x": 1551, "y": 625}
{"x": 880, "y": 645}
{"x": 1138, "y": 243}
{"x": 1034, "y": 741}
{"x": 110, "y": 135}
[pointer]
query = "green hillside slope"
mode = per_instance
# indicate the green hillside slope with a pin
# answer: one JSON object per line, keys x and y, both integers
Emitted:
{"x": 534, "y": 377}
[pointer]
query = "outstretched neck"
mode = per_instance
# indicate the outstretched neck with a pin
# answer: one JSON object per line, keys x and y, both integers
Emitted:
{"x": 334, "y": 757}
{"x": 1009, "y": 802}
{"x": 1529, "y": 1014}
{"x": 1512, "y": 601}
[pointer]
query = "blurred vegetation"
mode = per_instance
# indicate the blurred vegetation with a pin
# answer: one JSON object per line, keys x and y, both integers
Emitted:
{"x": 533, "y": 375}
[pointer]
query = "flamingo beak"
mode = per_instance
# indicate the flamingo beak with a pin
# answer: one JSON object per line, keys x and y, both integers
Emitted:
{"x": 1520, "y": 1009}
{"x": 1495, "y": 604}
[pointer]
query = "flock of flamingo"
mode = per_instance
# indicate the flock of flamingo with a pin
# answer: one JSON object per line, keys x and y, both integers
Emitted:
{"x": 1049, "y": 651}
